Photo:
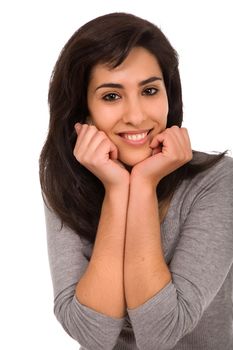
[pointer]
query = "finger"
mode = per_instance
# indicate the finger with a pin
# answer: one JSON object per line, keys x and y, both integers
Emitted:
{"x": 95, "y": 139}
{"x": 157, "y": 150}
{"x": 182, "y": 143}
{"x": 89, "y": 138}
{"x": 84, "y": 136}
{"x": 77, "y": 127}
{"x": 113, "y": 151}
{"x": 178, "y": 138}
{"x": 169, "y": 143}
{"x": 186, "y": 136}
{"x": 162, "y": 139}
{"x": 182, "y": 137}
{"x": 156, "y": 146}
{"x": 98, "y": 138}
{"x": 157, "y": 140}
{"x": 80, "y": 130}
{"x": 104, "y": 148}
{"x": 188, "y": 143}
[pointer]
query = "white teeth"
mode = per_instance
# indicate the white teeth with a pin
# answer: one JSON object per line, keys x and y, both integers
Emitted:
{"x": 135, "y": 137}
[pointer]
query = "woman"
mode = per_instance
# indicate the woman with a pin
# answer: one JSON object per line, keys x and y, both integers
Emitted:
{"x": 139, "y": 226}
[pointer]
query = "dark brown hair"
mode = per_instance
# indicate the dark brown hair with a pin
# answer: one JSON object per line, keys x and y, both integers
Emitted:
{"x": 73, "y": 192}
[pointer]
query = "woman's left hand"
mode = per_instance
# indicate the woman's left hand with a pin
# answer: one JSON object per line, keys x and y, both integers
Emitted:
{"x": 170, "y": 150}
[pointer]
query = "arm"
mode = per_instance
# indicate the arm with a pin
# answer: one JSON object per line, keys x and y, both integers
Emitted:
{"x": 101, "y": 287}
{"x": 200, "y": 264}
{"x": 69, "y": 259}
{"x": 89, "y": 297}
{"x": 146, "y": 272}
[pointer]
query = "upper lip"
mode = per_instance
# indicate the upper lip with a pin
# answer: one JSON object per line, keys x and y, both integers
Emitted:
{"x": 135, "y": 132}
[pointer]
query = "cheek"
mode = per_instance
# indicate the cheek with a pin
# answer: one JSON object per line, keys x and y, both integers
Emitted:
{"x": 165, "y": 114}
{"x": 164, "y": 111}
{"x": 161, "y": 113}
{"x": 103, "y": 116}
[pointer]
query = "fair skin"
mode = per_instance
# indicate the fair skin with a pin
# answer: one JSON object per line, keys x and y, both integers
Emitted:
{"x": 128, "y": 109}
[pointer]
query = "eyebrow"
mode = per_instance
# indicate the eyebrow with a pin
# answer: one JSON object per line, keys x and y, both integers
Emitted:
{"x": 120, "y": 86}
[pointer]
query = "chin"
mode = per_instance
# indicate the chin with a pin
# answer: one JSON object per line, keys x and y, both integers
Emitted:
{"x": 131, "y": 161}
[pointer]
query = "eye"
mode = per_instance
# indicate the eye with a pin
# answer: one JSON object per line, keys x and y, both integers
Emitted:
{"x": 112, "y": 96}
{"x": 150, "y": 91}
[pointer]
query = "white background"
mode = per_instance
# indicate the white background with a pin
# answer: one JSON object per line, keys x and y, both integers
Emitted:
{"x": 32, "y": 35}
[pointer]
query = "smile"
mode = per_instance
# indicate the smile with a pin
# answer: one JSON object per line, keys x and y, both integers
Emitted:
{"x": 135, "y": 138}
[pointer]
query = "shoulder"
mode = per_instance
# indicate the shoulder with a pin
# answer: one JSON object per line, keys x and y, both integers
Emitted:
{"x": 202, "y": 157}
{"x": 213, "y": 185}
{"x": 58, "y": 231}
{"x": 219, "y": 173}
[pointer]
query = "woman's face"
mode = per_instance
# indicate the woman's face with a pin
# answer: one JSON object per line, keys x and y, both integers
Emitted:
{"x": 129, "y": 103}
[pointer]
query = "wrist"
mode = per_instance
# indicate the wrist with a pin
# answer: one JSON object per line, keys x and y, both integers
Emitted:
{"x": 117, "y": 190}
{"x": 143, "y": 183}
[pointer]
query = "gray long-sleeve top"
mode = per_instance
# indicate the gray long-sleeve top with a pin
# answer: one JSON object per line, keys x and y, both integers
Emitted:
{"x": 194, "y": 311}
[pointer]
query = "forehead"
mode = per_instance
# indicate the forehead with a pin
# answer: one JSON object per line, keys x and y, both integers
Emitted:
{"x": 139, "y": 64}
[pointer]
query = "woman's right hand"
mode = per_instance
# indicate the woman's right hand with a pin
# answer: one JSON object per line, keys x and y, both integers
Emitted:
{"x": 96, "y": 152}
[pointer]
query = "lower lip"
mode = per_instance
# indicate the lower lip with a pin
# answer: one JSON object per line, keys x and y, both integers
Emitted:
{"x": 135, "y": 142}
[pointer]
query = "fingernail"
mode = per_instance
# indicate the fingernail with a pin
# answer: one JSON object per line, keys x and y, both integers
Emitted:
{"x": 77, "y": 126}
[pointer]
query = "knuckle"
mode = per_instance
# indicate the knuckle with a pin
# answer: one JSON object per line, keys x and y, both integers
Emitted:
{"x": 175, "y": 127}
{"x": 104, "y": 142}
{"x": 91, "y": 127}
{"x": 75, "y": 153}
{"x": 77, "y": 156}
{"x": 190, "y": 155}
{"x": 102, "y": 134}
{"x": 95, "y": 162}
{"x": 85, "y": 159}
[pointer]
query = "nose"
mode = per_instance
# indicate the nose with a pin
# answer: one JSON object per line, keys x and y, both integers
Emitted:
{"x": 134, "y": 113}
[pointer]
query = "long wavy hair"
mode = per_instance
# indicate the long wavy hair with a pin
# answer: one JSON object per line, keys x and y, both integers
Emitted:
{"x": 73, "y": 192}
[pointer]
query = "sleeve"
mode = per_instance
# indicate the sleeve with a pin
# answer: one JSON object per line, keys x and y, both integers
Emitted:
{"x": 201, "y": 262}
{"x": 92, "y": 330}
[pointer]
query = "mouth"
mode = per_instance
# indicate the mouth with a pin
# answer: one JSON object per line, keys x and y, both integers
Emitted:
{"x": 135, "y": 137}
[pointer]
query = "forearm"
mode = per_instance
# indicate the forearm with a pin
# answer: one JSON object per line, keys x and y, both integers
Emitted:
{"x": 145, "y": 270}
{"x": 101, "y": 287}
